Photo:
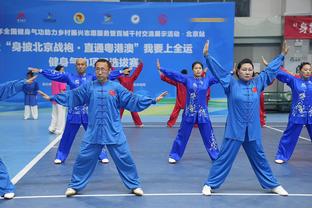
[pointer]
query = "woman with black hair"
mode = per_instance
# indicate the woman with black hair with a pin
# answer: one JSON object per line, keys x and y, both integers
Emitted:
{"x": 195, "y": 111}
{"x": 243, "y": 124}
{"x": 301, "y": 109}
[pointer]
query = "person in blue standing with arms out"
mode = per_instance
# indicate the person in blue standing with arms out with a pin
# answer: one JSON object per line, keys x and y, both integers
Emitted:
{"x": 243, "y": 123}
{"x": 301, "y": 109}
{"x": 7, "y": 90}
{"x": 195, "y": 111}
{"x": 78, "y": 115}
{"x": 104, "y": 99}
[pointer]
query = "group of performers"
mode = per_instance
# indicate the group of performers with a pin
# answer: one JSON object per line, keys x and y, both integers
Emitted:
{"x": 96, "y": 102}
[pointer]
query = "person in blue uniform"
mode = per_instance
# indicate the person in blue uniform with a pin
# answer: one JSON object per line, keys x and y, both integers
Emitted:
{"x": 104, "y": 98}
{"x": 243, "y": 123}
{"x": 7, "y": 90}
{"x": 300, "y": 112}
{"x": 195, "y": 111}
{"x": 31, "y": 91}
{"x": 77, "y": 115}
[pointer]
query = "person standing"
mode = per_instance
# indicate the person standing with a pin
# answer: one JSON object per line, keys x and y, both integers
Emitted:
{"x": 31, "y": 91}
{"x": 180, "y": 97}
{"x": 127, "y": 81}
{"x": 300, "y": 112}
{"x": 195, "y": 111}
{"x": 58, "y": 111}
{"x": 243, "y": 123}
{"x": 77, "y": 115}
{"x": 104, "y": 98}
{"x": 7, "y": 90}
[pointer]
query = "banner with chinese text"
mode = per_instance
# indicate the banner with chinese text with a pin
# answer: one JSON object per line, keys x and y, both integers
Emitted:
{"x": 44, "y": 34}
{"x": 298, "y": 27}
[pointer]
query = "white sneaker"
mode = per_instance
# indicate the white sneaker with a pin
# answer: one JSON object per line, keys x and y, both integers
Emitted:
{"x": 70, "y": 192}
{"x": 51, "y": 130}
{"x": 140, "y": 126}
{"x": 279, "y": 161}
{"x": 138, "y": 192}
{"x": 172, "y": 161}
{"x": 9, "y": 195}
{"x": 280, "y": 191}
{"x": 105, "y": 161}
{"x": 206, "y": 190}
{"x": 58, "y": 132}
{"x": 57, "y": 161}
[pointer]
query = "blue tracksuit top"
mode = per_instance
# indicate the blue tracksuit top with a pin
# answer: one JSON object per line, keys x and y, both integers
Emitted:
{"x": 244, "y": 98}
{"x": 196, "y": 106}
{"x": 301, "y": 106}
{"x": 78, "y": 114}
{"x": 31, "y": 91}
{"x": 104, "y": 102}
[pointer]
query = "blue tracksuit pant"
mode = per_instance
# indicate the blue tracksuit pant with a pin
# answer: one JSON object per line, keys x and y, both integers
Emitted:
{"x": 183, "y": 136}
{"x": 254, "y": 150}
{"x": 87, "y": 160}
{"x": 6, "y": 185}
{"x": 289, "y": 140}
{"x": 67, "y": 139}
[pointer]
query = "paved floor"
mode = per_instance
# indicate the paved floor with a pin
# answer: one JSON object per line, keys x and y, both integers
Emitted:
{"x": 165, "y": 185}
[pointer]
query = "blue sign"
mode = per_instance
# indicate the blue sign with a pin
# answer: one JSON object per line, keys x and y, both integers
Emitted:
{"x": 44, "y": 34}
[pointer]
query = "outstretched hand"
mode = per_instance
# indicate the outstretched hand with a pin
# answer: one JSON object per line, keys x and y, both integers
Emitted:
{"x": 158, "y": 64}
{"x": 264, "y": 61}
{"x": 30, "y": 80}
{"x": 285, "y": 48}
{"x": 44, "y": 96}
{"x": 161, "y": 96}
{"x": 33, "y": 70}
{"x": 234, "y": 68}
{"x": 127, "y": 71}
{"x": 206, "y": 48}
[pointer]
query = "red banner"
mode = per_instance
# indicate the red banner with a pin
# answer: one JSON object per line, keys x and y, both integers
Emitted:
{"x": 298, "y": 27}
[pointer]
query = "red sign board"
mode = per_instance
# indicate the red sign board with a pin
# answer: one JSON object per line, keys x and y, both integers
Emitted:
{"x": 298, "y": 27}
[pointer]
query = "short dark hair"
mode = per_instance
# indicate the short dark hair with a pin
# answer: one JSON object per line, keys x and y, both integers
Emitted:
{"x": 59, "y": 67}
{"x": 301, "y": 65}
{"x": 183, "y": 71}
{"x": 104, "y": 61}
{"x": 244, "y": 61}
{"x": 197, "y": 62}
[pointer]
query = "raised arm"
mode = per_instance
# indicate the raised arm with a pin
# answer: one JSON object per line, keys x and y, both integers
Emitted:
{"x": 175, "y": 76}
{"x": 222, "y": 75}
{"x": 285, "y": 77}
{"x": 115, "y": 74}
{"x": 137, "y": 71}
{"x": 52, "y": 74}
{"x": 163, "y": 77}
{"x": 267, "y": 76}
{"x": 166, "y": 79}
